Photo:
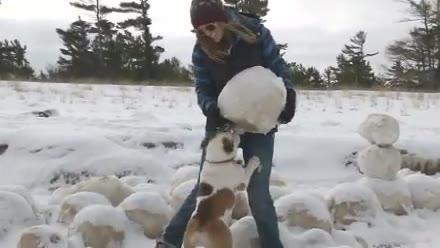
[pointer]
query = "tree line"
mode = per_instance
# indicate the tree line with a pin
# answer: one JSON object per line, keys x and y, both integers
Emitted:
{"x": 126, "y": 50}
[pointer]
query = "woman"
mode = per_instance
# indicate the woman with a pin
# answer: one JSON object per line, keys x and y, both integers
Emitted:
{"x": 227, "y": 43}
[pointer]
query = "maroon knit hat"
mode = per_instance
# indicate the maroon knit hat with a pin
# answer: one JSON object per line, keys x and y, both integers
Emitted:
{"x": 207, "y": 11}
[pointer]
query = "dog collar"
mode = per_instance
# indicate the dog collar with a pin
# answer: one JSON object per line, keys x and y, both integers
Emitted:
{"x": 220, "y": 162}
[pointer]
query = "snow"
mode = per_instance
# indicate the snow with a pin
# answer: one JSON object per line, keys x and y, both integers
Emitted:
{"x": 380, "y": 129}
{"x": 42, "y": 236}
{"x": 303, "y": 210}
{"x": 151, "y": 202}
{"x": 380, "y": 163}
{"x": 100, "y": 215}
{"x": 15, "y": 211}
{"x": 394, "y": 196}
{"x": 253, "y": 99}
{"x": 425, "y": 191}
{"x": 151, "y": 131}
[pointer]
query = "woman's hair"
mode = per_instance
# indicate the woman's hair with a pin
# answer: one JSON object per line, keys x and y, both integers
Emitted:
{"x": 219, "y": 51}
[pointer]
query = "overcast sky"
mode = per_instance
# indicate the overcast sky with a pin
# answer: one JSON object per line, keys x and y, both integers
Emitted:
{"x": 315, "y": 30}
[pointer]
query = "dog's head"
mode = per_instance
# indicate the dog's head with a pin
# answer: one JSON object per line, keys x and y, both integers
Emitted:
{"x": 222, "y": 145}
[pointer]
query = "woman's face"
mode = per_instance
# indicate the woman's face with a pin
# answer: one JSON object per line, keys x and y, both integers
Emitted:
{"x": 214, "y": 30}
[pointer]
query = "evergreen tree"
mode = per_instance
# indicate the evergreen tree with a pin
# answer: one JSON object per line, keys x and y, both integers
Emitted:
{"x": 99, "y": 13}
{"x": 78, "y": 59}
{"x": 352, "y": 68}
{"x": 420, "y": 53}
{"x": 254, "y": 7}
{"x": 13, "y": 62}
{"x": 147, "y": 56}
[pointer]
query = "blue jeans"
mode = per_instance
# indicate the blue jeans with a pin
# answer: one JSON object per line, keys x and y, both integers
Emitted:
{"x": 260, "y": 200}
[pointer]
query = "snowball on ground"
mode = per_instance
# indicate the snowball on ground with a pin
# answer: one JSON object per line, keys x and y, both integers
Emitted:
{"x": 276, "y": 179}
{"x": 244, "y": 233}
{"x": 353, "y": 202}
{"x": 349, "y": 239}
{"x": 253, "y": 99}
{"x": 151, "y": 187}
{"x": 425, "y": 191}
{"x": 72, "y": 204}
{"x": 380, "y": 129}
{"x": 132, "y": 181}
{"x": 42, "y": 236}
{"x": 394, "y": 196}
{"x": 99, "y": 226}
{"x": 109, "y": 186}
{"x": 310, "y": 238}
{"x": 149, "y": 210}
{"x": 380, "y": 163}
{"x": 59, "y": 194}
{"x": 15, "y": 211}
{"x": 184, "y": 174}
{"x": 303, "y": 211}
{"x": 24, "y": 192}
{"x": 277, "y": 192}
{"x": 179, "y": 194}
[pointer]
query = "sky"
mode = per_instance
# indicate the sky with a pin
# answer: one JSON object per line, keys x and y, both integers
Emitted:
{"x": 315, "y": 30}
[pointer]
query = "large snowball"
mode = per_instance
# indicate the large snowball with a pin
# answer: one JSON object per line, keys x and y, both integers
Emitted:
{"x": 24, "y": 192}
{"x": 179, "y": 194}
{"x": 59, "y": 194}
{"x": 380, "y": 163}
{"x": 276, "y": 192}
{"x": 394, "y": 196}
{"x": 304, "y": 211}
{"x": 99, "y": 226}
{"x": 15, "y": 210}
{"x": 245, "y": 234}
{"x": 253, "y": 99}
{"x": 149, "y": 210}
{"x": 132, "y": 181}
{"x": 380, "y": 129}
{"x": 72, "y": 204}
{"x": 425, "y": 191}
{"x": 110, "y": 186}
{"x": 353, "y": 202}
{"x": 42, "y": 236}
{"x": 184, "y": 174}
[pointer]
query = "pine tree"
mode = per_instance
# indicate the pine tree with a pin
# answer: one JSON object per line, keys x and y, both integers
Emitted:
{"x": 254, "y": 7}
{"x": 13, "y": 62}
{"x": 420, "y": 53}
{"x": 352, "y": 68}
{"x": 78, "y": 59}
{"x": 147, "y": 57}
{"x": 99, "y": 13}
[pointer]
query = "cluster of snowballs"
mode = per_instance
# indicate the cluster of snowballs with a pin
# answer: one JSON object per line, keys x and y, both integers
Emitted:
{"x": 397, "y": 191}
{"x": 102, "y": 212}
{"x": 97, "y": 213}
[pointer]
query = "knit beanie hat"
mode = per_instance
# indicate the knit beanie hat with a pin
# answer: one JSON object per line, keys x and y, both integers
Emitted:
{"x": 207, "y": 11}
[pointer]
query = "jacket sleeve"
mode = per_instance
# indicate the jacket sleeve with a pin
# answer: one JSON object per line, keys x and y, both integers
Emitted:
{"x": 205, "y": 90}
{"x": 274, "y": 61}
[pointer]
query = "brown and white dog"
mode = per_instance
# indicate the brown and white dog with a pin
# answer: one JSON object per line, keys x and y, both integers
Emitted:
{"x": 221, "y": 178}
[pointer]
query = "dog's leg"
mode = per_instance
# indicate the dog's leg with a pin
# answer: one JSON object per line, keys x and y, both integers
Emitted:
{"x": 219, "y": 235}
{"x": 252, "y": 165}
{"x": 190, "y": 234}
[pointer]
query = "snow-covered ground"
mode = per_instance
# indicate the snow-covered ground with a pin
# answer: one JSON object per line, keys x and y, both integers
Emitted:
{"x": 107, "y": 129}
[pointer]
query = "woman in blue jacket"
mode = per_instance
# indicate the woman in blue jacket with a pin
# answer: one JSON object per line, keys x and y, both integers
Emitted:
{"x": 227, "y": 43}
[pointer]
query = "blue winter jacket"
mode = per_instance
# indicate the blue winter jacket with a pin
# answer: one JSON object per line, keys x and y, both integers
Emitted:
{"x": 210, "y": 76}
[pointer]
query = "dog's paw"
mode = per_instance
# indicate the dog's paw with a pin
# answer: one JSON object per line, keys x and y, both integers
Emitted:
{"x": 254, "y": 164}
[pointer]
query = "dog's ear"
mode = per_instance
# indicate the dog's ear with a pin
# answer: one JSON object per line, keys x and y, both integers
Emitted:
{"x": 228, "y": 145}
